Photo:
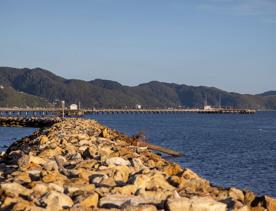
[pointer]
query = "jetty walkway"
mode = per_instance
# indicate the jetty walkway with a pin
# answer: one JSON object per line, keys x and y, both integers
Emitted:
{"x": 68, "y": 112}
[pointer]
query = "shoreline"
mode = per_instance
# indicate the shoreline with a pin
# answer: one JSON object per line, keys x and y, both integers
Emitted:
{"x": 81, "y": 164}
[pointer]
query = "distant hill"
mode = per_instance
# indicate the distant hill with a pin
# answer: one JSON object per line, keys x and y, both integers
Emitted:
{"x": 11, "y": 98}
{"x": 269, "y": 93}
{"x": 110, "y": 94}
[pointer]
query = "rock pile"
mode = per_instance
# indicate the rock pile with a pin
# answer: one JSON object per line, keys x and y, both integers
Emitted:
{"x": 28, "y": 122}
{"x": 79, "y": 164}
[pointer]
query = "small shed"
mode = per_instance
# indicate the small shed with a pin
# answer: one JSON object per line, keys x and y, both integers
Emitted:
{"x": 73, "y": 107}
{"x": 138, "y": 106}
{"x": 207, "y": 107}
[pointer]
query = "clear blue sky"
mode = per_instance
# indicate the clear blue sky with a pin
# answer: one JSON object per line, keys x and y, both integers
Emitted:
{"x": 230, "y": 44}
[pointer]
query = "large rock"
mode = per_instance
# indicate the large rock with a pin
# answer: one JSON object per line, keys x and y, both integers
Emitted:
{"x": 15, "y": 189}
{"x": 244, "y": 208}
{"x": 34, "y": 174}
{"x": 53, "y": 176}
{"x": 43, "y": 139}
{"x": 56, "y": 187}
{"x": 125, "y": 190}
{"x": 22, "y": 205}
{"x": 22, "y": 177}
{"x": 57, "y": 201}
{"x": 155, "y": 197}
{"x": 179, "y": 204}
{"x": 206, "y": 204}
{"x": 25, "y": 161}
{"x": 122, "y": 201}
{"x": 236, "y": 194}
{"x": 137, "y": 164}
{"x": 117, "y": 161}
{"x": 90, "y": 152}
{"x": 248, "y": 197}
{"x": 121, "y": 174}
{"x": 40, "y": 188}
{"x": 172, "y": 169}
{"x": 91, "y": 201}
{"x": 191, "y": 182}
{"x": 50, "y": 153}
{"x": 141, "y": 208}
{"x": 195, "y": 204}
{"x": 106, "y": 133}
{"x": 51, "y": 165}
{"x": 8, "y": 202}
{"x": 152, "y": 181}
{"x": 270, "y": 203}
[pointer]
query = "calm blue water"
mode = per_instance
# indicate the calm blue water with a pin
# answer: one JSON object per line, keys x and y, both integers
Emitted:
{"x": 10, "y": 134}
{"x": 228, "y": 150}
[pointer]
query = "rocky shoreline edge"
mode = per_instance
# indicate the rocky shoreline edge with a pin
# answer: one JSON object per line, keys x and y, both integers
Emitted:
{"x": 79, "y": 164}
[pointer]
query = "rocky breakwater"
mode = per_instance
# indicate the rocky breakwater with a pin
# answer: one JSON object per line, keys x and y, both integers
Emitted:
{"x": 81, "y": 165}
{"x": 38, "y": 122}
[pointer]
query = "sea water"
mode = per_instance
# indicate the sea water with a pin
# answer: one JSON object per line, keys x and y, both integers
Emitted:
{"x": 227, "y": 149}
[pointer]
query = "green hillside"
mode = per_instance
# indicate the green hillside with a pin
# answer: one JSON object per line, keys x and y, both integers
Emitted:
{"x": 11, "y": 98}
{"x": 109, "y": 94}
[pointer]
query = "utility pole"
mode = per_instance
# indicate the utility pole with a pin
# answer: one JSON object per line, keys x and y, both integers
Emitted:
{"x": 63, "y": 107}
{"x": 219, "y": 100}
{"x": 206, "y": 100}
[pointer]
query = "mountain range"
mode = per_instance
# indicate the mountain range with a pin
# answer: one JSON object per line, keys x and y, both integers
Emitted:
{"x": 39, "y": 87}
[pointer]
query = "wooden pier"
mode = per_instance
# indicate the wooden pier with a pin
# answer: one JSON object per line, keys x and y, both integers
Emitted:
{"x": 157, "y": 111}
{"x": 33, "y": 112}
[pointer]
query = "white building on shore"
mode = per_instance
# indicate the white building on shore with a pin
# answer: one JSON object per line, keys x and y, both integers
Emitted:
{"x": 138, "y": 106}
{"x": 207, "y": 107}
{"x": 73, "y": 107}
